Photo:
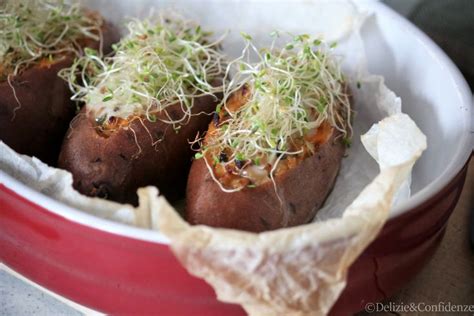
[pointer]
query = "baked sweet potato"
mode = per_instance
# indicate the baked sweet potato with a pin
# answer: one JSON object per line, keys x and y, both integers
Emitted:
{"x": 272, "y": 153}
{"x": 35, "y": 105}
{"x": 136, "y": 125}
{"x": 300, "y": 191}
{"x": 143, "y": 153}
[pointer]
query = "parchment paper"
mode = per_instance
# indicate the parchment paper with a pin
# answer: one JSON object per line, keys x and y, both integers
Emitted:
{"x": 295, "y": 271}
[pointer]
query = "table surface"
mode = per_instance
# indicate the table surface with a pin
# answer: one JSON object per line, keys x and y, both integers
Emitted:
{"x": 19, "y": 298}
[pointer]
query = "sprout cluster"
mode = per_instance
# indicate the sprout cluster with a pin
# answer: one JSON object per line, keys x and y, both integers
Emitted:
{"x": 156, "y": 65}
{"x": 293, "y": 91}
{"x": 31, "y": 31}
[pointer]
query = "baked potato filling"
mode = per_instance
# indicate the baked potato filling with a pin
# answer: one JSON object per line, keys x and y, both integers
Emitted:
{"x": 158, "y": 64}
{"x": 275, "y": 113}
{"x": 40, "y": 32}
{"x": 249, "y": 173}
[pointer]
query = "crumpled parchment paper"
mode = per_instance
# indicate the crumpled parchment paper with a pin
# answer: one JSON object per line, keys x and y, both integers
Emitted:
{"x": 293, "y": 271}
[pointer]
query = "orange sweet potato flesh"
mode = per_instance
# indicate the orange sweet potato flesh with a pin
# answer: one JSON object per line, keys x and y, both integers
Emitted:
{"x": 113, "y": 166}
{"x": 301, "y": 189}
{"x": 37, "y": 127}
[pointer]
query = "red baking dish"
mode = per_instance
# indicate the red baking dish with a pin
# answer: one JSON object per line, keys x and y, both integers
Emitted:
{"x": 118, "y": 269}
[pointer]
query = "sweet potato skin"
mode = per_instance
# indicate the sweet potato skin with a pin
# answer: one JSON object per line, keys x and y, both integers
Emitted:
{"x": 302, "y": 190}
{"x": 37, "y": 126}
{"x": 114, "y": 167}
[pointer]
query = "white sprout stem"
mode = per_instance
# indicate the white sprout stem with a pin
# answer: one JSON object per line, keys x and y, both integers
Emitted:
{"x": 211, "y": 172}
{"x": 15, "y": 96}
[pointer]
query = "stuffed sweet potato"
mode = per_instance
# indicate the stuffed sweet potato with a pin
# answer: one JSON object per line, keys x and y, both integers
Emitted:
{"x": 37, "y": 40}
{"x": 272, "y": 153}
{"x": 143, "y": 106}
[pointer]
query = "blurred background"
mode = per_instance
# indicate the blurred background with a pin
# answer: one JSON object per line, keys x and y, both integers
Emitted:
{"x": 450, "y": 23}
